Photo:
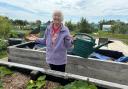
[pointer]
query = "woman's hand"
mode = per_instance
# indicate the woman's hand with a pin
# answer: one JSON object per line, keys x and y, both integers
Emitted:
{"x": 32, "y": 37}
{"x": 70, "y": 37}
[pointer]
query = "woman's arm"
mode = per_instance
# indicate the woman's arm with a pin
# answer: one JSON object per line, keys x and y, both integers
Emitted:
{"x": 38, "y": 40}
{"x": 68, "y": 40}
{"x": 42, "y": 40}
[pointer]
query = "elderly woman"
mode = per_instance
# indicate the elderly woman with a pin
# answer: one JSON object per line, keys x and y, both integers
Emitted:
{"x": 57, "y": 39}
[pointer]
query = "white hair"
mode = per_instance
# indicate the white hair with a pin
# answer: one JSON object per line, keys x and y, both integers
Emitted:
{"x": 61, "y": 14}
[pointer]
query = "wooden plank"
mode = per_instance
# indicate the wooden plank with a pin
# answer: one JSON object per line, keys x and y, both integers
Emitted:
{"x": 25, "y": 52}
{"x": 28, "y": 61}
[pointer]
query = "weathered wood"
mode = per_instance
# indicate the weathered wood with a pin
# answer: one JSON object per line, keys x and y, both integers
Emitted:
{"x": 28, "y": 61}
{"x": 34, "y": 74}
{"x": 108, "y": 71}
{"x": 25, "y": 52}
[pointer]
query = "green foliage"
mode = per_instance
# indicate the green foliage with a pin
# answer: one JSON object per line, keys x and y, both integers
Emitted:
{"x": 104, "y": 22}
{"x": 71, "y": 26}
{"x": 13, "y": 34}
{"x": 3, "y": 44}
{"x": 3, "y": 47}
{"x": 84, "y": 26}
{"x": 5, "y": 27}
{"x": 111, "y": 35}
{"x": 19, "y": 22}
{"x": 3, "y": 53}
{"x": 79, "y": 85}
{"x": 94, "y": 27}
{"x": 118, "y": 27}
{"x": 1, "y": 86}
{"x": 122, "y": 37}
{"x": 38, "y": 84}
{"x": 4, "y": 71}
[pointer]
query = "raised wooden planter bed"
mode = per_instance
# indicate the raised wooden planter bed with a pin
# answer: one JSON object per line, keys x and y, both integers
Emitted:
{"x": 103, "y": 70}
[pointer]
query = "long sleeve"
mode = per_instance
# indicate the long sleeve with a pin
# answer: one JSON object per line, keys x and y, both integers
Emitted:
{"x": 68, "y": 41}
{"x": 42, "y": 40}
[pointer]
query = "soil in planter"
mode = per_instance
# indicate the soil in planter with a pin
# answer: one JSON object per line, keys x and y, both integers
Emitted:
{"x": 52, "y": 85}
{"x": 19, "y": 81}
{"x": 15, "y": 81}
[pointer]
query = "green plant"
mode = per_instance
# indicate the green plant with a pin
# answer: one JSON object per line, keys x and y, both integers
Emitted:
{"x": 3, "y": 44}
{"x": 3, "y": 54}
{"x": 13, "y": 34}
{"x": 4, "y": 71}
{"x": 5, "y": 27}
{"x": 79, "y": 85}
{"x": 1, "y": 87}
{"x": 38, "y": 84}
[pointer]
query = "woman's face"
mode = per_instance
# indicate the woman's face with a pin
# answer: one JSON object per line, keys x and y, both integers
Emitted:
{"x": 57, "y": 18}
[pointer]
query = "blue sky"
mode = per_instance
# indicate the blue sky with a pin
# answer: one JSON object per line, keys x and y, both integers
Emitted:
{"x": 92, "y": 10}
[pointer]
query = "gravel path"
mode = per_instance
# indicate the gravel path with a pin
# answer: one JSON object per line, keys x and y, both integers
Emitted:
{"x": 117, "y": 46}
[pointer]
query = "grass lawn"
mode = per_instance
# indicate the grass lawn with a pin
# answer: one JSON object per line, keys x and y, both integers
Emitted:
{"x": 122, "y": 37}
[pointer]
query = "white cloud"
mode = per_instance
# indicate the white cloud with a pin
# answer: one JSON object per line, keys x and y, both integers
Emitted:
{"x": 71, "y": 8}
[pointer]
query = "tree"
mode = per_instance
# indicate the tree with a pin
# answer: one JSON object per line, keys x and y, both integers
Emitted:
{"x": 104, "y": 22}
{"x": 20, "y": 22}
{"x": 84, "y": 26}
{"x": 71, "y": 26}
{"x": 94, "y": 27}
{"x": 119, "y": 27}
{"x": 5, "y": 27}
